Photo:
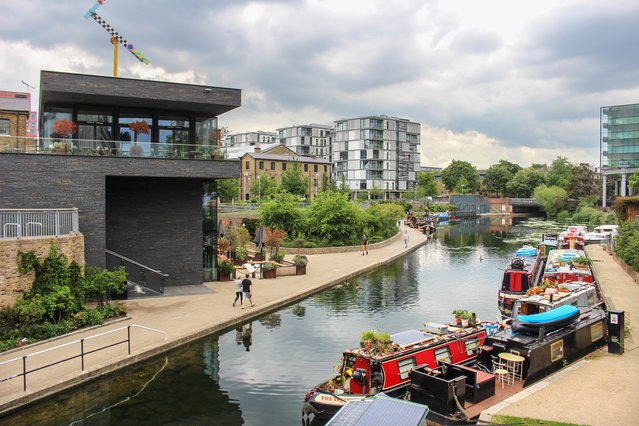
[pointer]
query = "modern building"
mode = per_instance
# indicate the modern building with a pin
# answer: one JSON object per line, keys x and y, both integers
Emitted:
{"x": 376, "y": 153}
{"x": 619, "y": 147}
{"x": 14, "y": 113}
{"x": 251, "y": 139}
{"x": 314, "y": 140}
{"x": 257, "y": 164}
{"x": 137, "y": 163}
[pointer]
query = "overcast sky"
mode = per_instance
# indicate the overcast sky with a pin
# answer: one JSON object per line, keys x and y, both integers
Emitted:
{"x": 487, "y": 79}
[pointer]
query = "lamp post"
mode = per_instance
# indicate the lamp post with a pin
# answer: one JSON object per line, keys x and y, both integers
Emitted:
{"x": 247, "y": 189}
{"x": 316, "y": 185}
{"x": 259, "y": 188}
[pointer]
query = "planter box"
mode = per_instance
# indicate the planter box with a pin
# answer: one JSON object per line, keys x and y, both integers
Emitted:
{"x": 270, "y": 273}
{"x": 224, "y": 277}
{"x": 300, "y": 270}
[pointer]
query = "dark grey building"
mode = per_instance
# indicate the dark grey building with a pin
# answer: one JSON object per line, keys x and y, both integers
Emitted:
{"x": 139, "y": 160}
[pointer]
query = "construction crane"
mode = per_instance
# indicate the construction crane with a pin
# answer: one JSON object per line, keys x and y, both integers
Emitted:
{"x": 115, "y": 37}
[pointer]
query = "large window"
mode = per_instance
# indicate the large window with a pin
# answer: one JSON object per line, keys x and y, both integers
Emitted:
{"x": 93, "y": 127}
{"x": 51, "y": 116}
{"x": 5, "y": 126}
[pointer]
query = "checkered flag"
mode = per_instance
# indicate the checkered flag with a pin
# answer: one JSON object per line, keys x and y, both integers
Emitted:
{"x": 117, "y": 37}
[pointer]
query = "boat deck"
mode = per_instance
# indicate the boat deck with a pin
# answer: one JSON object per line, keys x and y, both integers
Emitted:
{"x": 501, "y": 394}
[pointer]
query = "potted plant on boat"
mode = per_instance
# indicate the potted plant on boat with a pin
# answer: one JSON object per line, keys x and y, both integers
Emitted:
{"x": 226, "y": 269}
{"x": 465, "y": 318}
{"x": 270, "y": 269}
{"x": 366, "y": 340}
{"x": 300, "y": 262}
{"x": 458, "y": 315}
{"x": 582, "y": 262}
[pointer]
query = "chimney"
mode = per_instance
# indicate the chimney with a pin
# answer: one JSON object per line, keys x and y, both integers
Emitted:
{"x": 258, "y": 149}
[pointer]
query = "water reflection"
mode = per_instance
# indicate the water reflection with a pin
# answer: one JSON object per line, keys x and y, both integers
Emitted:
{"x": 259, "y": 372}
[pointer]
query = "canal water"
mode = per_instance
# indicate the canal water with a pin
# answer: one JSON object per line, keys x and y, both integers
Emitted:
{"x": 259, "y": 373}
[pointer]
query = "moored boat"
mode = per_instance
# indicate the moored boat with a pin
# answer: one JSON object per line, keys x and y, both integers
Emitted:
{"x": 561, "y": 267}
{"x": 523, "y": 273}
{"x": 373, "y": 368}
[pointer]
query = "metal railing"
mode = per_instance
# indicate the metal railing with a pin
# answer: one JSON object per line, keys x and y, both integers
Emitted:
{"x": 19, "y": 223}
{"x": 113, "y": 148}
{"x": 137, "y": 273}
{"x": 82, "y": 353}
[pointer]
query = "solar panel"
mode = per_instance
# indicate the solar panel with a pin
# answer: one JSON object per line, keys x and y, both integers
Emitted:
{"x": 411, "y": 337}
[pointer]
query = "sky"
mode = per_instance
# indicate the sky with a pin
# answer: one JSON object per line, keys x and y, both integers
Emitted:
{"x": 488, "y": 80}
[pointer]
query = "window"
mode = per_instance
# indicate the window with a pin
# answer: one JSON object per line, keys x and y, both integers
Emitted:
{"x": 306, "y": 167}
{"x": 261, "y": 165}
{"x": 5, "y": 126}
{"x": 315, "y": 168}
{"x": 272, "y": 165}
{"x": 596, "y": 331}
{"x": 556, "y": 351}
{"x": 247, "y": 165}
{"x": 471, "y": 345}
{"x": 283, "y": 166}
{"x": 442, "y": 354}
{"x": 325, "y": 169}
{"x": 405, "y": 365}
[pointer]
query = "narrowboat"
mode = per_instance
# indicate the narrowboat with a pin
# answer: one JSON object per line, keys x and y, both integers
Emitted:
{"x": 457, "y": 394}
{"x": 579, "y": 294}
{"x": 523, "y": 273}
{"x": 370, "y": 369}
{"x": 561, "y": 268}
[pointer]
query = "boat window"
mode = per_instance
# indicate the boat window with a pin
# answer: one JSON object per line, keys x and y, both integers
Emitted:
{"x": 596, "y": 331}
{"x": 556, "y": 350}
{"x": 471, "y": 345}
{"x": 442, "y": 354}
{"x": 405, "y": 365}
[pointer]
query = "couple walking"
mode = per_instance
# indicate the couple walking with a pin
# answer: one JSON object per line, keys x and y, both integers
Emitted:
{"x": 243, "y": 290}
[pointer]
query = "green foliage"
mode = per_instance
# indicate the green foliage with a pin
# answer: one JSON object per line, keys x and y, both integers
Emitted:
{"x": 553, "y": 199}
{"x": 227, "y": 189}
{"x": 332, "y": 217}
{"x": 403, "y": 203}
{"x": 627, "y": 244}
{"x": 300, "y": 260}
{"x": 239, "y": 236}
{"x": 265, "y": 187}
{"x": 226, "y": 267}
{"x": 283, "y": 212}
{"x": 592, "y": 216}
{"x": 251, "y": 225}
{"x": 524, "y": 182}
{"x": 560, "y": 173}
{"x": 584, "y": 182}
{"x": 278, "y": 257}
{"x": 269, "y": 266}
{"x": 241, "y": 253}
{"x": 426, "y": 184}
{"x": 367, "y": 335}
{"x": 498, "y": 176}
{"x": 460, "y": 173}
{"x": 100, "y": 283}
{"x": 293, "y": 180}
{"x": 438, "y": 208}
{"x": 381, "y": 219}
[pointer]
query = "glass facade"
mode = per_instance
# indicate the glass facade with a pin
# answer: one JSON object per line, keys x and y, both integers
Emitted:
{"x": 619, "y": 136}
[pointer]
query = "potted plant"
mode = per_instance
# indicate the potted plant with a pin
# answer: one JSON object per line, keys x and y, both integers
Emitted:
{"x": 582, "y": 262}
{"x": 223, "y": 246}
{"x": 65, "y": 129}
{"x": 366, "y": 340}
{"x": 226, "y": 269}
{"x": 138, "y": 127}
{"x": 269, "y": 269}
{"x": 465, "y": 317}
{"x": 277, "y": 257}
{"x": 458, "y": 315}
{"x": 241, "y": 255}
{"x": 300, "y": 262}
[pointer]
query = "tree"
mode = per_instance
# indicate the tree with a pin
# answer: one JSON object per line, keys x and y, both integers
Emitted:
{"x": 498, "y": 176}
{"x": 426, "y": 184}
{"x": 65, "y": 128}
{"x": 293, "y": 181}
{"x": 332, "y": 217}
{"x": 283, "y": 212}
{"x": 264, "y": 187}
{"x": 552, "y": 198}
{"x": 583, "y": 182}
{"x": 456, "y": 171}
{"x": 559, "y": 173}
{"x": 524, "y": 183}
{"x": 227, "y": 189}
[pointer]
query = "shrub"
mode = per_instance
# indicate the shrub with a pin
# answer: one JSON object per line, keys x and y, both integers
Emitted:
{"x": 278, "y": 257}
{"x": 226, "y": 267}
{"x": 300, "y": 260}
{"x": 269, "y": 266}
{"x": 298, "y": 243}
{"x": 241, "y": 253}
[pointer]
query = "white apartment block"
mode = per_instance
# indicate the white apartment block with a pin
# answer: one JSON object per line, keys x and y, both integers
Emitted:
{"x": 376, "y": 152}
{"x": 313, "y": 140}
{"x": 251, "y": 138}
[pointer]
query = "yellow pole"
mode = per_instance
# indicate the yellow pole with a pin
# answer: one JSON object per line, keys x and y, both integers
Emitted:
{"x": 115, "y": 56}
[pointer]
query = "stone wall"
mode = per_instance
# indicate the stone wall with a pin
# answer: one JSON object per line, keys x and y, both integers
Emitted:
{"x": 13, "y": 283}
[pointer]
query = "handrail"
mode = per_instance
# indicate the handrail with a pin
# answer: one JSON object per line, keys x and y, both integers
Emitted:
{"x": 19, "y": 223}
{"x": 81, "y": 355}
{"x": 112, "y": 253}
{"x": 137, "y": 272}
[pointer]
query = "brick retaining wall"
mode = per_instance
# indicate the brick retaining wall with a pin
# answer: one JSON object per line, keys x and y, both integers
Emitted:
{"x": 13, "y": 283}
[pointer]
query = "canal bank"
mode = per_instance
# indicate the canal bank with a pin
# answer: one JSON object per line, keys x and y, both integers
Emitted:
{"x": 601, "y": 389}
{"x": 188, "y": 314}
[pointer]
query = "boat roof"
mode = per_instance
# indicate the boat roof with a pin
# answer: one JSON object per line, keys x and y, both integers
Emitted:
{"x": 380, "y": 410}
{"x": 556, "y": 254}
{"x": 561, "y": 298}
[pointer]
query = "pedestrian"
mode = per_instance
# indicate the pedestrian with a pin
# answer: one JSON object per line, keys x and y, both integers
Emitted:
{"x": 238, "y": 292}
{"x": 405, "y": 239}
{"x": 247, "y": 288}
{"x": 364, "y": 245}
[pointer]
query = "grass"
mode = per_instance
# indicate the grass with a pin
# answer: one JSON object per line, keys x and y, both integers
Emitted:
{"x": 510, "y": 420}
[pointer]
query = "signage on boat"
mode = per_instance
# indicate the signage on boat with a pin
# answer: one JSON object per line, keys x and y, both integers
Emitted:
{"x": 329, "y": 399}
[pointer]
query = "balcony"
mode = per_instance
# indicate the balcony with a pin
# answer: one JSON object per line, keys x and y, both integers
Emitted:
{"x": 112, "y": 148}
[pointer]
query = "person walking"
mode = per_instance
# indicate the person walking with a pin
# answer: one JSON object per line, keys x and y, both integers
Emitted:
{"x": 247, "y": 289}
{"x": 405, "y": 239}
{"x": 238, "y": 292}
{"x": 364, "y": 245}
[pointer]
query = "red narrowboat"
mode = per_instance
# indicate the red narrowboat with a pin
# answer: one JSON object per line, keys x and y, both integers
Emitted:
{"x": 524, "y": 272}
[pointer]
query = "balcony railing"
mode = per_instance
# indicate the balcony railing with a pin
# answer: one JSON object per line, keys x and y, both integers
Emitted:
{"x": 20, "y": 223}
{"x": 90, "y": 147}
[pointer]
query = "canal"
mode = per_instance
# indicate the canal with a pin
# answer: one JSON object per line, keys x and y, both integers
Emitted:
{"x": 259, "y": 373}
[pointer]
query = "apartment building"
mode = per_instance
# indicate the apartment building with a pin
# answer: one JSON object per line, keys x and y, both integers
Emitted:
{"x": 314, "y": 140}
{"x": 376, "y": 154}
{"x": 251, "y": 139}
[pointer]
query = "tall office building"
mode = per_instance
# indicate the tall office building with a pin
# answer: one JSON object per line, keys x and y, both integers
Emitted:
{"x": 312, "y": 140}
{"x": 619, "y": 145}
{"x": 376, "y": 153}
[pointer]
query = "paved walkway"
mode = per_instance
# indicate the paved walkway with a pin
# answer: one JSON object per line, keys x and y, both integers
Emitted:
{"x": 183, "y": 318}
{"x": 601, "y": 390}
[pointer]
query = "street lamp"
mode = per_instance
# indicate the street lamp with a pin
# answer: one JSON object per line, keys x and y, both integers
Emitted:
{"x": 248, "y": 186}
